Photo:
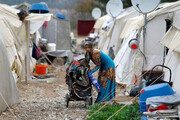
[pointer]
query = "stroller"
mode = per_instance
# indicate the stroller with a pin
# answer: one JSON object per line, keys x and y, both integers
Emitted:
{"x": 79, "y": 84}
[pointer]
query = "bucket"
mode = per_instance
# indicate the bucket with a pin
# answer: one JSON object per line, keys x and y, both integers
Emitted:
{"x": 43, "y": 40}
{"x": 51, "y": 47}
{"x": 41, "y": 69}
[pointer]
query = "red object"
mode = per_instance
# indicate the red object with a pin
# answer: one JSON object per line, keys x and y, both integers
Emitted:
{"x": 75, "y": 55}
{"x": 41, "y": 69}
{"x": 85, "y": 26}
{"x": 135, "y": 79}
{"x": 161, "y": 107}
{"x": 142, "y": 91}
{"x": 76, "y": 62}
{"x": 45, "y": 24}
{"x": 134, "y": 46}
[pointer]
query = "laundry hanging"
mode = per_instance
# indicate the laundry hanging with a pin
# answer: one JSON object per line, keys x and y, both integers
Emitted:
{"x": 36, "y": 52}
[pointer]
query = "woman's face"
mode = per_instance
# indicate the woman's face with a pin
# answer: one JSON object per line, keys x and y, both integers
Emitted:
{"x": 87, "y": 48}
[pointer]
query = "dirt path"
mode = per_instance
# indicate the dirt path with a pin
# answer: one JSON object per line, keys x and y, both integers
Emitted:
{"x": 45, "y": 100}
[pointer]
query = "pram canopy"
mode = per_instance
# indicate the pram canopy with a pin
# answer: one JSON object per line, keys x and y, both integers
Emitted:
{"x": 78, "y": 73}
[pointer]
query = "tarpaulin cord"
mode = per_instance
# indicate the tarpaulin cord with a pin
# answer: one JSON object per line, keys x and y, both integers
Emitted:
{"x": 134, "y": 97}
{"x": 108, "y": 101}
{"x": 131, "y": 100}
{"x": 120, "y": 88}
{"x": 11, "y": 111}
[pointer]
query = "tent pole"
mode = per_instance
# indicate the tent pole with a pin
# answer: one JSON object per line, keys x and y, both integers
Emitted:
{"x": 144, "y": 39}
{"x": 144, "y": 31}
{"x": 27, "y": 60}
{"x": 144, "y": 36}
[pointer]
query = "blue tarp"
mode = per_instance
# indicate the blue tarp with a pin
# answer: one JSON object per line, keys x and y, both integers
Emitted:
{"x": 38, "y": 8}
{"x": 60, "y": 16}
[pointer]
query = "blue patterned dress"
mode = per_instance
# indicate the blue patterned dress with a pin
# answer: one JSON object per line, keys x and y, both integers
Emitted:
{"x": 106, "y": 77}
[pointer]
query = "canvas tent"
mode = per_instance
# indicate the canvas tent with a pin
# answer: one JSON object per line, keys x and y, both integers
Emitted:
{"x": 15, "y": 34}
{"x": 99, "y": 31}
{"x": 172, "y": 41}
{"x": 112, "y": 39}
{"x": 13, "y": 42}
{"x": 130, "y": 63}
{"x": 8, "y": 89}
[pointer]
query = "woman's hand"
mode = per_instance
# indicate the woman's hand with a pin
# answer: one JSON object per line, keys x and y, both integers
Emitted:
{"x": 94, "y": 69}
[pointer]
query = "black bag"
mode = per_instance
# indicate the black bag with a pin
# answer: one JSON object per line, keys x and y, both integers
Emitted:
{"x": 158, "y": 79}
{"x": 135, "y": 91}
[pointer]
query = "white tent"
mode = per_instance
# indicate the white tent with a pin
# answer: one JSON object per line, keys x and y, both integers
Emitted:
{"x": 111, "y": 37}
{"x": 8, "y": 90}
{"x": 100, "y": 32}
{"x": 100, "y": 22}
{"x": 172, "y": 41}
{"x": 14, "y": 42}
{"x": 15, "y": 34}
{"x": 130, "y": 63}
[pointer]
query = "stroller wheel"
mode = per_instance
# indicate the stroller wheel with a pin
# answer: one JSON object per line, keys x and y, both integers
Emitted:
{"x": 67, "y": 100}
{"x": 88, "y": 102}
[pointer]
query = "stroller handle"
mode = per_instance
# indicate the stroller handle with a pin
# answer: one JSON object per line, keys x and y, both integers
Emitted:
{"x": 161, "y": 66}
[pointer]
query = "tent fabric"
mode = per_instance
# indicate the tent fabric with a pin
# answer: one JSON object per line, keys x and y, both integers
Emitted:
{"x": 102, "y": 38}
{"x": 138, "y": 22}
{"x": 173, "y": 62}
{"x": 14, "y": 32}
{"x": 171, "y": 39}
{"x": 123, "y": 62}
{"x": 107, "y": 24}
{"x": 8, "y": 87}
{"x": 176, "y": 18}
{"x": 119, "y": 26}
{"x": 13, "y": 43}
{"x": 111, "y": 38}
{"x": 153, "y": 50}
{"x": 100, "y": 21}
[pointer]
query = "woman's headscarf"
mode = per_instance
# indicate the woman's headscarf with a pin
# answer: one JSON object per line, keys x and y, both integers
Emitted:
{"x": 88, "y": 56}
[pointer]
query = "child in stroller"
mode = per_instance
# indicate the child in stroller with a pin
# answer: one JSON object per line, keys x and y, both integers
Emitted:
{"x": 79, "y": 84}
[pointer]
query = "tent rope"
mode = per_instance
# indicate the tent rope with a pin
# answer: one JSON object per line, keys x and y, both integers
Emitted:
{"x": 119, "y": 88}
{"x": 131, "y": 100}
{"x": 11, "y": 111}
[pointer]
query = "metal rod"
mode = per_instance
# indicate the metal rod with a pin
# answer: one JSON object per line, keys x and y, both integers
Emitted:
{"x": 144, "y": 31}
{"x": 27, "y": 62}
{"x": 144, "y": 37}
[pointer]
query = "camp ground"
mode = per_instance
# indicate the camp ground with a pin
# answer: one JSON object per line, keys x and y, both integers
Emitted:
{"x": 50, "y": 71}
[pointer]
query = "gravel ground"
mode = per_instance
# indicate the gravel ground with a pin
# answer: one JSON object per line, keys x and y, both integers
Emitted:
{"x": 45, "y": 100}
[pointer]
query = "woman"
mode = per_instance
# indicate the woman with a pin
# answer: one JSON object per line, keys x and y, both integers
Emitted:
{"x": 106, "y": 77}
